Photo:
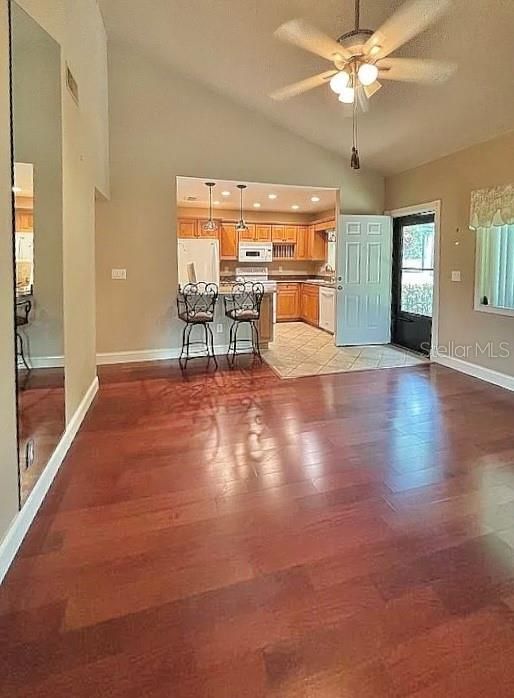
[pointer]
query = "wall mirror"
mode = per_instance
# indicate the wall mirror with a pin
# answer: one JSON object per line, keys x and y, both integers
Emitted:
{"x": 38, "y": 243}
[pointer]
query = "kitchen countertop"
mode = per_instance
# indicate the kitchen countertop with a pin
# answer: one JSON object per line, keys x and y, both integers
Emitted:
{"x": 314, "y": 282}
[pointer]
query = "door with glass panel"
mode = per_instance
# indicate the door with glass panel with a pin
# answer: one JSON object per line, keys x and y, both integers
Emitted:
{"x": 413, "y": 282}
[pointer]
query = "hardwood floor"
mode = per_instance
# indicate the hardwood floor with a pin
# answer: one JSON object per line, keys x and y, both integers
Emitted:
{"x": 233, "y": 535}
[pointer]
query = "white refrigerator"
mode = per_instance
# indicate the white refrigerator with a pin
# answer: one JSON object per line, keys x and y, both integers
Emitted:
{"x": 198, "y": 260}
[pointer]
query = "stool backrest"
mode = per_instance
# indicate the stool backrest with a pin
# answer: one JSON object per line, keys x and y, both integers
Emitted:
{"x": 197, "y": 298}
{"x": 247, "y": 295}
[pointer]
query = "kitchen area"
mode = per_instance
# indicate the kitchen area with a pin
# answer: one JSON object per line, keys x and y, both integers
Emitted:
{"x": 283, "y": 237}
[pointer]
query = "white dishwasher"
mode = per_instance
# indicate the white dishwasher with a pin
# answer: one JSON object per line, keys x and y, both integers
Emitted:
{"x": 327, "y": 308}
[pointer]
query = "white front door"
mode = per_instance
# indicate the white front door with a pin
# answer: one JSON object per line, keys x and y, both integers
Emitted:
{"x": 364, "y": 260}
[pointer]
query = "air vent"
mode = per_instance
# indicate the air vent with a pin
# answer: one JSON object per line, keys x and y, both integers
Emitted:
{"x": 191, "y": 198}
{"x": 71, "y": 84}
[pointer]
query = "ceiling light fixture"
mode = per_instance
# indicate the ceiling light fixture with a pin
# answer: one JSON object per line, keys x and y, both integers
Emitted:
{"x": 16, "y": 190}
{"x": 368, "y": 73}
{"x": 315, "y": 199}
{"x": 241, "y": 226}
{"x": 256, "y": 205}
{"x": 295, "y": 207}
{"x": 225, "y": 193}
{"x": 216, "y": 203}
{"x": 347, "y": 96}
{"x": 272, "y": 196}
{"x": 339, "y": 81}
{"x": 210, "y": 226}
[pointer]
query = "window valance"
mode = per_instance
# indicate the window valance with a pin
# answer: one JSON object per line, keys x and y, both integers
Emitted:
{"x": 492, "y": 207}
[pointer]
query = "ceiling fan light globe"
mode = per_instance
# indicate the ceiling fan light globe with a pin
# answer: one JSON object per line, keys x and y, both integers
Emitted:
{"x": 339, "y": 81}
{"x": 347, "y": 96}
{"x": 367, "y": 73}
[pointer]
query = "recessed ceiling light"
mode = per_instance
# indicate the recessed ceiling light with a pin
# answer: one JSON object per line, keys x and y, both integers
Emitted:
{"x": 295, "y": 207}
{"x": 315, "y": 199}
{"x": 272, "y": 196}
{"x": 216, "y": 203}
{"x": 256, "y": 205}
{"x": 16, "y": 190}
{"x": 225, "y": 193}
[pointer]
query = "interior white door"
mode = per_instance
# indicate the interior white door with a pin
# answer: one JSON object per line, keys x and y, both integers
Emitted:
{"x": 364, "y": 259}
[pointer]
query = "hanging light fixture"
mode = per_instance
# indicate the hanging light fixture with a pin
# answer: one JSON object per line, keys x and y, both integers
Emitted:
{"x": 210, "y": 226}
{"x": 241, "y": 227}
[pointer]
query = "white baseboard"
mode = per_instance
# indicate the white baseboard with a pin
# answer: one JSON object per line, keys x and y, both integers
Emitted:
{"x": 46, "y": 361}
{"x": 127, "y": 357}
{"x": 486, "y": 374}
{"x": 21, "y": 524}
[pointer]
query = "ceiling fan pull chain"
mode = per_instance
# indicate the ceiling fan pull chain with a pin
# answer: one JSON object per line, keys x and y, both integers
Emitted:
{"x": 357, "y": 14}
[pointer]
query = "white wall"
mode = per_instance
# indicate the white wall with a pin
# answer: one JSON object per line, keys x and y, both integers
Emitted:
{"x": 163, "y": 125}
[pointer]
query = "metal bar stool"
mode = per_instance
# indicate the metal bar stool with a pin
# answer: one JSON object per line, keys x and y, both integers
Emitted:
{"x": 243, "y": 305}
{"x": 23, "y": 308}
{"x": 196, "y": 304}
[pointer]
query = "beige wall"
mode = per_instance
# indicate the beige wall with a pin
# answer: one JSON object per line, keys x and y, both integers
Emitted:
{"x": 8, "y": 445}
{"x": 451, "y": 179}
{"x": 78, "y": 28}
{"x": 163, "y": 125}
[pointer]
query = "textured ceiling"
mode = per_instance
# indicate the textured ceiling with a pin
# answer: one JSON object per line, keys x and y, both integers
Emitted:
{"x": 229, "y": 46}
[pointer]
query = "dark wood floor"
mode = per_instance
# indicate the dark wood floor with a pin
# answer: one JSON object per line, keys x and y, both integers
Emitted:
{"x": 233, "y": 535}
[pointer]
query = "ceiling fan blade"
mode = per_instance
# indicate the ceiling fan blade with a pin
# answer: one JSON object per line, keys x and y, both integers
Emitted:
{"x": 372, "y": 89}
{"x": 408, "y": 21}
{"x": 424, "y": 70}
{"x": 302, "y": 34}
{"x": 297, "y": 88}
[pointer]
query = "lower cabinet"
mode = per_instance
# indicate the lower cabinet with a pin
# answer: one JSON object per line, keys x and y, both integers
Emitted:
{"x": 288, "y": 302}
{"x": 309, "y": 303}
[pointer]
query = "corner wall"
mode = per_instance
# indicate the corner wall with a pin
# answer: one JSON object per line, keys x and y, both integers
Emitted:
{"x": 163, "y": 125}
{"x": 451, "y": 179}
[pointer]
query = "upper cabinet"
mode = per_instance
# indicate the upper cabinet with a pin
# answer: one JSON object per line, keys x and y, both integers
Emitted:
{"x": 24, "y": 220}
{"x": 248, "y": 235}
{"x": 284, "y": 233}
{"x": 263, "y": 233}
{"x": 228, "y": 241}
{"x": 187, "y": 228}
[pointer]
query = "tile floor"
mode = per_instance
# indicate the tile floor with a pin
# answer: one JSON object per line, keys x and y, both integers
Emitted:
{"x": 302, "y": 350}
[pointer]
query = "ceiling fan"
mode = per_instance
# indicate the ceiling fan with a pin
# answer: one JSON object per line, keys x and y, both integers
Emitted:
{"x": 361, "y": 56}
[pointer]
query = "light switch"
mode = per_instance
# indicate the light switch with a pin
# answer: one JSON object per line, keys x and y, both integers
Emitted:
{"x": 118, "y": 273}
{"x": 455, "y": 275}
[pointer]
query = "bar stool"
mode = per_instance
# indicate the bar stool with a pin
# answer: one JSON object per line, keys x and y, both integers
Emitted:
{"x": 23, "y": 308}
{"x": 243, "y": 305}
{"x": 196, "y": 304}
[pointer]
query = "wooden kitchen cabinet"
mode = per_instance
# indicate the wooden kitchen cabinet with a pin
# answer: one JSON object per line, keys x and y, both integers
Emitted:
{"x": 302, "y": 242}
{"x": 248, "y": 235}
{"x": 266, "y": 320}
{"x": 288, "y": 302}
{"x": 228, "y": 241}
{"x": 309, "y": 303}
{"x": 277, "y": 233}
{"x": 262, "y": 233}
{"x": 187, "y": 227}
{"x": 24, "y": 220}
{"x": 290, "y": 233}
{"x": 318, "y": 246}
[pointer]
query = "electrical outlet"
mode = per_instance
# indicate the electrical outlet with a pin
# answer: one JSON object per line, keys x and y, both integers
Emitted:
{"x": 456, "y": 276}
{"x": 118, "y": 274}
{"x": 219, "y": 328}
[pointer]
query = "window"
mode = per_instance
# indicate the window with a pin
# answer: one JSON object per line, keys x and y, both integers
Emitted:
{"x": 417, "y": 269}
{"x": 495, "y": 268}
{"x": 492, "y": 218}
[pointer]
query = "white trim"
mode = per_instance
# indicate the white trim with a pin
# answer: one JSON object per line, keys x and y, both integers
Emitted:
{"x": 46, "y": 361}
{"x": 486, "y": 374}
{"x": 21, "y": 523}
{"x": 494, "y": 310}
{"x": 435, "y": 208}
{"x": 128, "y": 357}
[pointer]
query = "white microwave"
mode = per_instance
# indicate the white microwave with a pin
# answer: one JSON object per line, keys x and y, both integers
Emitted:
{"x": 255, "y": 252}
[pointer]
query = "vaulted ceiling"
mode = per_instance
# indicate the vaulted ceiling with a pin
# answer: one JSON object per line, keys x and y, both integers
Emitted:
{"x": 228, "y": 45}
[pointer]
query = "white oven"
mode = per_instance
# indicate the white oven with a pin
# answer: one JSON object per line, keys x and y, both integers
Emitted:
{"x": 255, "y": 252}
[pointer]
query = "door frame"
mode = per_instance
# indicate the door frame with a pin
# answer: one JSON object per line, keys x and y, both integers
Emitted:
{"x": 435, "y": 208}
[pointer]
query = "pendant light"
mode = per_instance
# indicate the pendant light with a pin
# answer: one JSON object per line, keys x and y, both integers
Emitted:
{"x": 241, "y": 227}
{"x": 210, "y": 226}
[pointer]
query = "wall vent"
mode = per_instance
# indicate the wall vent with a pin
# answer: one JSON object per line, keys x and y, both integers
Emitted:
{"x": 71, "y": 84}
